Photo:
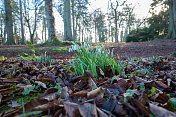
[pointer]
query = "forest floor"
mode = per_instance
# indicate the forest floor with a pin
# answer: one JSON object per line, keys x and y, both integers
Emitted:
{"x": 145, "y": 86}
{"x": 137, "y": 49}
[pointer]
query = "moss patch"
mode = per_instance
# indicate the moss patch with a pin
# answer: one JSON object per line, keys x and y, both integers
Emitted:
{"x": 60, "y": 50}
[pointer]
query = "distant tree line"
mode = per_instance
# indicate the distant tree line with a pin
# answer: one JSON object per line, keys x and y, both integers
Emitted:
{"x": 22, "y": 20}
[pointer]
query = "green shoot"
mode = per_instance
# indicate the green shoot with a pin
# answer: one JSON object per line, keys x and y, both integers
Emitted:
{"x": 142, "y": 87}
{"x": 32, "y": 48}
{"x": 152, "y": 92}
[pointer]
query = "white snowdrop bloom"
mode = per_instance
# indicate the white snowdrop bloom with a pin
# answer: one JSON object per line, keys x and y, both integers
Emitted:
{"x": 72, "y": 47}
{"x": 75, "y": 47}
{"x": 99, "y": 50}
{"x": 69, "y": 50}
{"x": 85, "y": 44}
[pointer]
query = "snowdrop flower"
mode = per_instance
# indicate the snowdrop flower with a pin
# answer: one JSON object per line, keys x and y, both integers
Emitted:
{"x": 75, "y": 47}
{"x": 85, "y": 44}
{"x": 69, "y": 50}
{"x": 108, "y": 52}
{"x": 99, "y": 50}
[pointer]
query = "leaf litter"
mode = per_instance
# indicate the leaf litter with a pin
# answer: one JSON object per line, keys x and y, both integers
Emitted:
{"x": 144, "y": 89}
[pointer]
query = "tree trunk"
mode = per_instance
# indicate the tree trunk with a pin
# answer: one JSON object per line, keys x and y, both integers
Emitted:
{"x": 1, "y": 38}
{"x": 79, "y": 31}
{"x": 116, "y": 35}
{"x": 15, "y": 34}
{"x": 73, "y": 19}
{"x": 172, "y": 20}
{"x": 22, "y": 24}
{"x": 9, "y": 22}
{"x": 4, "y": 39}
{"x": 45, "y": 30}
{"x": 83, "y": 35}
{"x": 67, "y": 21}
{"x": 1, "y": 30}
{"x": 76, "y": 28}
{"x": 1, "y": 25}
{"x": 95, "y": 32}
{"x": 50, "y": 20}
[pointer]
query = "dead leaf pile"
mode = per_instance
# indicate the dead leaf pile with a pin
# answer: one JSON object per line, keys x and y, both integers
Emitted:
{"x": 143, "y": 89}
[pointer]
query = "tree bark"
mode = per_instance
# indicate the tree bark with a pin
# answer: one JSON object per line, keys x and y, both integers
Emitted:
{"x": 4, "y": 39}
{"x": 67, "y": 21}
{"x": 1, "y": 29}
{"x": 50, "y": 20}
{"x": 1, "y": 25}
{"x": 9, "y": 22}
{"x": 95, "y": 32}
{"x": 22, "y": 24}
{"x": 73, "y": 19}
{"x": 83, "y": 35}
{"x": 45, "y": 30}
{"x": 76, "y": 28}
{"x": 116, "y": 35}
{"x": 172, "y": 20}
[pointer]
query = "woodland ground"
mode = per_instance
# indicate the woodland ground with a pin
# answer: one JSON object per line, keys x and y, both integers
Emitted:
{"x": 137, "y": 49}
{"x": 145, "y": 86}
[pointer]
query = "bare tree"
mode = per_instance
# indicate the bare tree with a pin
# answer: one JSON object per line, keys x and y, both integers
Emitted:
{"x": 114, "y": 7}
{"x": 32, "y": 20}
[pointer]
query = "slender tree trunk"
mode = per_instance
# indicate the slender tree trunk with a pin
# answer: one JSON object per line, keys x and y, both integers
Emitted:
{"x": 82, "y": 35}
{"x": 9, "y": 22}
{"x": 4, "y": 39}
{"x": 67, "y": 21}
{"x": 79, "y": 32}
{"x": 22, "y": 24}
{"x": 95, "y": 32}
{"x": 112, "y": 33}
{"x": 50, "y": 20}
{"x": 116, "y": 35}
{"x": 109, "y": 30}
{"x": 76, "y": 28}
{"x": 15, "y": 34}
{"x": 45, "y": 30}
{"x": 73, "y": 19}
{"x": 1, "y": 28}
{"x": 1, "y": 36}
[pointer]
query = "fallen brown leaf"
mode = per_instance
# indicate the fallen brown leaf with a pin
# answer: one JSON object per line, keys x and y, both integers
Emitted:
{"x": 160, "y": 112}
